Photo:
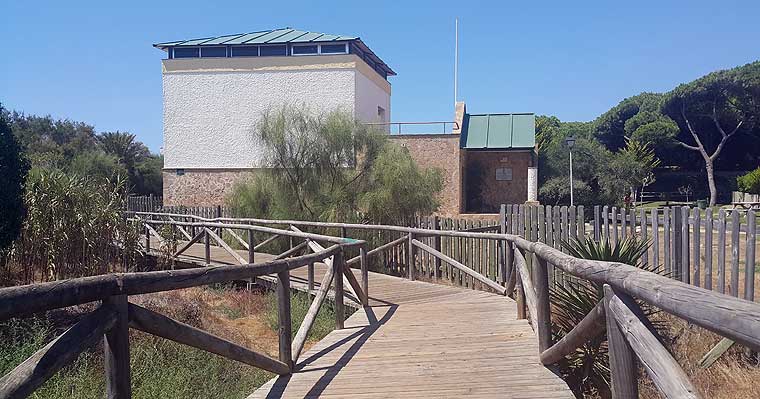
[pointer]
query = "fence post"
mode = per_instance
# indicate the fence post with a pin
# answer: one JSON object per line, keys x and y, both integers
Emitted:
{"x": 338, "y": 266}
{"x": 217, "y": 215}
{"x": 677, "y": 267}
{"x": 622, "y": 359}
{"x": 207, "y": 246}
{"x": 251, "y": 245}
{"x": 116, "y": 348}
{"x": 520, "y": 290}
{"x": 410, "y": 256}
{"x": 502, "y": 255}
{"x": 685, "y": 263}
{"x": 735, "y": 229}
{"x": 666, "y": 239}
{"x": 147, "y": 238}
{"x": 437, "y": 246}
{"x": 655, "y": 239}
{"x": 364, "y": 264}
{"x": 749, "y": 262}
{"x": 597, "y": 232}
{"x": 543, "y": 316}
{"x": 697, "y": 221}
{"x": 283, "y": 317}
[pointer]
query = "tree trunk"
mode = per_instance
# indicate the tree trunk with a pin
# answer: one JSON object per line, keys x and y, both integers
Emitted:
{"x": 711, "y": 181}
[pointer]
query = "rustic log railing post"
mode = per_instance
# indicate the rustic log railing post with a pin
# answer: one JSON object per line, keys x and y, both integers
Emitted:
{"x": 520, "y": 291}
{"x": 543, "y": 316}
{"x": 410, "y": 256}
{"x": 310, "y": 276}
{"x": 116, "y": 348}
{"x": 251, "y": 246}
{"x": 437, "y": 246}
{"x": 283, "y": 313}
{"x": 501, "y": 246}
{"x": 147, "y": 237}
{"x": 217, "y": 215}
{"x": 363, "y": 262}
{"x": 338, "y": 264}
{"x": 207, "y": 247}
{"x": 622, "y": 357}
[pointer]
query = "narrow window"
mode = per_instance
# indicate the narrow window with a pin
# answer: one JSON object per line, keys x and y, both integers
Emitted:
{"x": 214, "y": 51}
{"x": 186, "y": 52}
{"x": 272, "y": 50}
{"x": 245, "y": 51}
{"x": 333, "y": 48}
{"x": 303, "y": 50}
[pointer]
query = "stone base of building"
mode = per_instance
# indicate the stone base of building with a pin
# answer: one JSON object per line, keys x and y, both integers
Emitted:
{"x": 201, "y": 187}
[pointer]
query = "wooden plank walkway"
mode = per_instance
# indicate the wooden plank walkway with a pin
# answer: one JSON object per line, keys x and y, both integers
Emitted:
{"x": 419, "y": 340}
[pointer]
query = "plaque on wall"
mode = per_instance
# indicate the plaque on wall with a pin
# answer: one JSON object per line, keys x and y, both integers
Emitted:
{"x": 503, "y": 174}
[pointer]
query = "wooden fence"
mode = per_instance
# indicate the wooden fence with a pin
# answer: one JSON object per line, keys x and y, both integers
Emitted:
{"x": 522, "y": 270}
{"x": 715, "y": 249}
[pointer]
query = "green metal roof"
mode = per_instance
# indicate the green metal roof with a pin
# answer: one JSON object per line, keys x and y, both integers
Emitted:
{"x": 276, "y": 36}
{"x": 499, "y": 131}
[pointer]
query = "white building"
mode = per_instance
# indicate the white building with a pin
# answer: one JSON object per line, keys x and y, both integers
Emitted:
{"x": 215, "y": 89}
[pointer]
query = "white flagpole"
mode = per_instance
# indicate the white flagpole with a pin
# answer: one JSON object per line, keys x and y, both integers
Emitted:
{"x": 456, "y": 56}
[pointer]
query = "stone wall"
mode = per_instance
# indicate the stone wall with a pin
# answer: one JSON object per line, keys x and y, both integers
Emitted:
{"x": 200, "y": 187}
{"x": 484, "y": 192}
{"x": 438, "y": 151}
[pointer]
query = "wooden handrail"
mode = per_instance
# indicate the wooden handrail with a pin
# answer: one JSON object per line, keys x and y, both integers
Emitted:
{"x": 26, "y": 299}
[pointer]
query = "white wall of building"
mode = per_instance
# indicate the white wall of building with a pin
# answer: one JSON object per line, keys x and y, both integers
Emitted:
{"x": 210, "y": 116}
{"x": 369, "y": 96}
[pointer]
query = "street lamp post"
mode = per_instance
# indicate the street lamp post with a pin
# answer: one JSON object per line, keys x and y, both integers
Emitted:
{"x": 570, "y": 141}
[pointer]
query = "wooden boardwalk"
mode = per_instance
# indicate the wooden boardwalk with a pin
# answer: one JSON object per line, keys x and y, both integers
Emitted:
{"x": 416, "y": 339}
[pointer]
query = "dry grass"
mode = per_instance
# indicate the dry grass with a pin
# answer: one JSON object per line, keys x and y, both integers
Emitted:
{"x": 733, "y": 376}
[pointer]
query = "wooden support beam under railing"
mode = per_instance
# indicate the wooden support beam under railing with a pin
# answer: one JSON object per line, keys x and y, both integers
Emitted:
{"x": 311, "y": 315}
{"x": 267, "y": 241}
{"x": 226, "y": 247}
{"x": 666, "y": 374}
{"x": 116, "y": 351}
{"x": 592, "y": 325}
{"x": 526, "y": 288}
{"x": 157, "y": 324}
{"x": 25, "y": 378}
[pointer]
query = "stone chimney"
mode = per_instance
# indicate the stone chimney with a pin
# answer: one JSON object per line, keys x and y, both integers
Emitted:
{"x": 459, "y": 111}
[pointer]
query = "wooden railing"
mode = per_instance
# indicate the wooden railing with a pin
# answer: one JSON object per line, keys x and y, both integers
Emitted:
{"x": 524, "y": 267}
{"x": 115, "y": 315}
{"x": 522, "y": 273}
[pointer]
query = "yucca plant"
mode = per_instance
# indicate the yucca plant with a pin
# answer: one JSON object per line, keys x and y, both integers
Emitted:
{"x": 587, "y": 369}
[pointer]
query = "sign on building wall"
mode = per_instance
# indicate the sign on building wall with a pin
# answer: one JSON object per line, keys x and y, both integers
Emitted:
{"x": 503, "y": 174}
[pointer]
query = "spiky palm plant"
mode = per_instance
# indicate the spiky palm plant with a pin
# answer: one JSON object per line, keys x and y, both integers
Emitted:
{"x": 587, "y": 369}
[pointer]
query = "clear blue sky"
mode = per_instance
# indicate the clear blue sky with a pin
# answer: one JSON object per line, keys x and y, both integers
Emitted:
{"x": 93, "y": 61}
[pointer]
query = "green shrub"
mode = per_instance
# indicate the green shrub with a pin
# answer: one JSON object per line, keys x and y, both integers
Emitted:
{"x": 13, "y": 170}
{"x": 750, "y": 183}
{"x": 330, "y": 167}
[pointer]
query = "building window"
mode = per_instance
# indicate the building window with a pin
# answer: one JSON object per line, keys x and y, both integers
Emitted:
{"x": 180, "y": 172}
{"x": 186, "y": 52}
{"x": 272, "y": 50}
{"x": 213, "y": 51}
{"x": 333, "y": 48}
{"x": 245, "y": 51}
{"x": 303, "y": 50}
{"x": 381, "y": 114}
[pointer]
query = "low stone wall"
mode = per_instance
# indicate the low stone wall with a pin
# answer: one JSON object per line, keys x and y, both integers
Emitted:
{"x": 201, "y": 187}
